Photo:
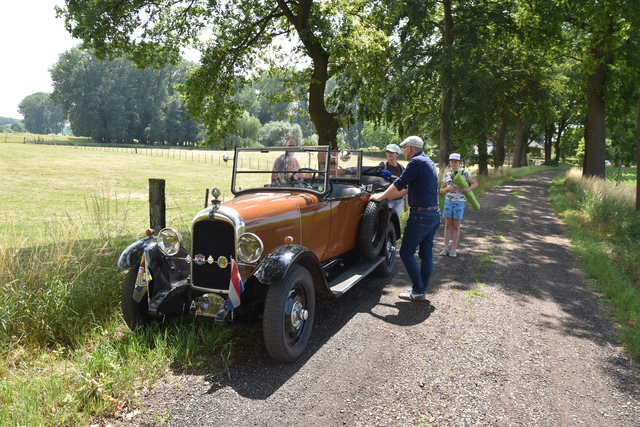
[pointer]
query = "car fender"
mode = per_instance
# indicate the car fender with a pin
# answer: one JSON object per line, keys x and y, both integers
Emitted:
{"x": 163, "y": 270}
{"x": 395, "y": 220}
{"x": 276, "y": 265}
{"x": 133, "y": 253}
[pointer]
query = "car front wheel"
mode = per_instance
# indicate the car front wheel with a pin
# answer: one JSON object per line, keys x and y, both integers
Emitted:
{"x": 134, "y": 313}
{"x": 288, "y": 315}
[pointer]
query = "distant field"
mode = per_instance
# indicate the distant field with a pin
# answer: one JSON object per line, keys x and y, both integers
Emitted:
{"x": 28, "y": 137}
{"x": 45, "y": 184}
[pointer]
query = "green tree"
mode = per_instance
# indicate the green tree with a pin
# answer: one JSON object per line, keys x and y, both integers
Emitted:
{"x": 273, "y": 134}
{"x": 262, "y": 99}
{"x": 379, "y": 135}
{"x": 115, "y": 102}
{"x": 601, "y": 35}
{"x": 41, "y": 114}
{"x": 328, "y": 38}
{"x": 18, "y": 127}
{"x": 246, "y": 135}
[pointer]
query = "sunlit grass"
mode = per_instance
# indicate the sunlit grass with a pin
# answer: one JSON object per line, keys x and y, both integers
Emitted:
{"x": 67, "y": 214}
{"x": 605, "y": 230}
{"x": 622, "y": 175}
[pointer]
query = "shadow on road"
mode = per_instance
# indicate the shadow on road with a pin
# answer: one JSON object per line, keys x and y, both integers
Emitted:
{"x": 258, "y": 376}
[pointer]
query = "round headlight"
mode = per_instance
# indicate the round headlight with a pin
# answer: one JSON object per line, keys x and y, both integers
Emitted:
{"x": 169, "y": 241}
{"x": 250, "y": 247}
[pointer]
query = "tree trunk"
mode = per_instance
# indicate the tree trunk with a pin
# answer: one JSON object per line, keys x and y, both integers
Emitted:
{"x": 595, "y": 129}
{"x": 446, "y": 137}
{"x": 498, "y": 150}
{"x": 520, "y": 146}
{"x": 561, "y": 127}
{"x": 482, "y": 155}
{"x": 326, "y": 123}
{"x": 548, "y": 141}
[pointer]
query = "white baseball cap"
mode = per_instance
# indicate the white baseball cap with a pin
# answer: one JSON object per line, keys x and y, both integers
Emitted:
{"x": 393, "y": 148}
{"x": 454, "y": 156}
{"x": 413, "y": 141}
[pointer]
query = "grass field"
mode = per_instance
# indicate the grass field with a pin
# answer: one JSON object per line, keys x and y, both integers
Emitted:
{"x": 622, "y": 175}
{"x": 46, "y": 184}
{"x": 66, "y": 213}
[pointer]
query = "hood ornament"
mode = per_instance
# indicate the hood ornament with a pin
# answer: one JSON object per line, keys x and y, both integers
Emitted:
{"x": 215, "y": 203}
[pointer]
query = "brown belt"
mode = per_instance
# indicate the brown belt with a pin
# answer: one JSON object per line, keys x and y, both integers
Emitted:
{"x": 417, "y": 208}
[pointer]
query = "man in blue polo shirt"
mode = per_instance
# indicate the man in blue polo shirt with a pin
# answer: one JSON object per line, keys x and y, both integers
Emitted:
{"x": 420, "y": 181}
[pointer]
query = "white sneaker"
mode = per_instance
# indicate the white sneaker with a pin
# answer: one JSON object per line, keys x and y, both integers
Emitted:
{"x": 453, "y": 253}
{"x": 444, "y": 252}
{"x": 410, "y": 296}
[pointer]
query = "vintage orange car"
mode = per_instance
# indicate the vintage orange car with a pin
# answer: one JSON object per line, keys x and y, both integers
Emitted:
{"x": 285, "y": 237}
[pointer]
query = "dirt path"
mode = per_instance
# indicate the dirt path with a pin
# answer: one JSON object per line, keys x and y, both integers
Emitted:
{"x": 512, "y": 337}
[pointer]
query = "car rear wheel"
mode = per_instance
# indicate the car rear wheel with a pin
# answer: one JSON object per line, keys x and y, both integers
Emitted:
{"x": 288, "y": 315}
{"x": 389, "y": 251}
{"x": 373, "y": 229}
{"x": 134, "y": 313}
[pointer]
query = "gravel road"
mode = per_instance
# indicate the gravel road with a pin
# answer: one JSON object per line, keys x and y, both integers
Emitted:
{"x": 512, "y": 336}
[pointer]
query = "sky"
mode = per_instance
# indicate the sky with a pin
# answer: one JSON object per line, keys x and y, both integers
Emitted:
{"x": 32, "y": 40}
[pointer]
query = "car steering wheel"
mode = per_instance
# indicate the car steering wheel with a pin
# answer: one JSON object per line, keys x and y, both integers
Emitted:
{"x": 301, "y": 181}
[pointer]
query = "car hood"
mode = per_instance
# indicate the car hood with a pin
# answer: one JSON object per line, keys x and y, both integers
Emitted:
{"x": 258, "y": 209}
{"x": 277, "y": 216}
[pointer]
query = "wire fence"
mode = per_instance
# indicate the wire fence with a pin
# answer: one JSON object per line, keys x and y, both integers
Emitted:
{"x": 193, "y": 155}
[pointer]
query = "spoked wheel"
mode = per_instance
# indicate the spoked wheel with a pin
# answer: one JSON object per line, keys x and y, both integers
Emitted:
{"x": 288, "y": 315}
{"x": 134, "y": 313}
{"x": 389, "y": 251}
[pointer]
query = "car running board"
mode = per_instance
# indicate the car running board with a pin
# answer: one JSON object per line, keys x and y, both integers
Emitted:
{"x": 349, "y": 278}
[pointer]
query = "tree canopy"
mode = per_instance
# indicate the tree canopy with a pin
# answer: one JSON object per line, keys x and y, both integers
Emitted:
{"x": 326, "y": 39}
{"x": 456, "y": 71}
{"x": 41, "y": 114}
{"x": 112, "y": 101}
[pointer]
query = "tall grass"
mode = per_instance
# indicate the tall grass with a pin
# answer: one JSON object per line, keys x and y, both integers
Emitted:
{"x": 608, "y": 210}
{"x": 605, "y": 230}
{"x": 65, "y": 353}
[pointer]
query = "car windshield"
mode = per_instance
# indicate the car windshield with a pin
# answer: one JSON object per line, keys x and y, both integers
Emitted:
{"x": 293, "y": 167}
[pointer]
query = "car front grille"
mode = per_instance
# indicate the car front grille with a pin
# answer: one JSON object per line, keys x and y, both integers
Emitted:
{"x": 212, "y": 238}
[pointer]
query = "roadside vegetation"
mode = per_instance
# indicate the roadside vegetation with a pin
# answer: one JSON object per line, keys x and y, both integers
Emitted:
{"x": 604, "y": 229}
{"x": 66, "y": 355}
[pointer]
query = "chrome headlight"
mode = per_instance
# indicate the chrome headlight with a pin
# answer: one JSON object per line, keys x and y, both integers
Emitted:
{"x": 250, "y": 248}
{"x": 169, "y": 241}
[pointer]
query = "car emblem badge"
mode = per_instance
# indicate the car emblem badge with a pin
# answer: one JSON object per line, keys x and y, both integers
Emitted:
{"x": 199, "y": 259}
{"x": 223, "y": 262}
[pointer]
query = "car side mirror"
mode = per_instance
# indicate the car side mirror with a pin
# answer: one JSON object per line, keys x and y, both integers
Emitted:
{"x": 345, "y": 155}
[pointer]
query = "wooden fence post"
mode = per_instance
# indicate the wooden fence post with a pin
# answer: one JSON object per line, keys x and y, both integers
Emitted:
{"x": 157, "y": 204}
